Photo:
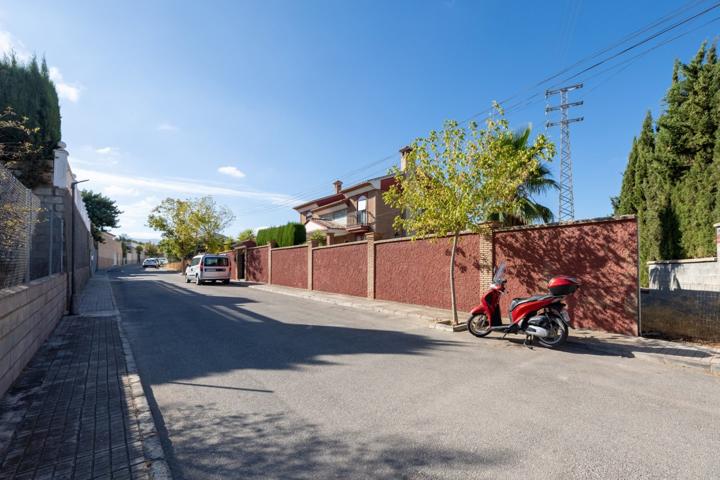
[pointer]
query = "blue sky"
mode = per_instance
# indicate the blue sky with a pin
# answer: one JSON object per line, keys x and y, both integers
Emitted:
{"x": 265, "y": 102}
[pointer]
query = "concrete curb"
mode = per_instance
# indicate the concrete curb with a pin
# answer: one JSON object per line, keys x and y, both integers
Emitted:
{"x": 438, "y": 322}
{"x": 708, "y": 365}
{"x": 158, "y": 468}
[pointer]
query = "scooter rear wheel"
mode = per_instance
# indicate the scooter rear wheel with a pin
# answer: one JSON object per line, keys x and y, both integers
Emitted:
{"x": 559, "y": 333}
{"x": 479, "y": 325}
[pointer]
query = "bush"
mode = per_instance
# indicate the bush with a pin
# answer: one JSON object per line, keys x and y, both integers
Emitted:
{"x": 284, "y": 235}
{"x": 319, "y": 237}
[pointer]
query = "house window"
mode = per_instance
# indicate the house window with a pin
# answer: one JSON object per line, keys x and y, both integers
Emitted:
{"x": 362, "y": 210}
{"x": 339, "y": 216}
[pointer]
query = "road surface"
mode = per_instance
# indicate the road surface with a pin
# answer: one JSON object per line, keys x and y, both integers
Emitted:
{"x": 257, "y": 385}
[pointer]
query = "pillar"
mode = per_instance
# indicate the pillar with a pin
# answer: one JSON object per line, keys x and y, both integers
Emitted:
{"x": 717, "y": 242}
{"x": 310, "y": 245}
{"x": 370, "y": 237}
{"x": 485, "y": 256}
{"x": 269, "y": 255}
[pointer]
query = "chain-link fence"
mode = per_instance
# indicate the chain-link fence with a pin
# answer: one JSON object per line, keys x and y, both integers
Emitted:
{"x": 19, "y": 211}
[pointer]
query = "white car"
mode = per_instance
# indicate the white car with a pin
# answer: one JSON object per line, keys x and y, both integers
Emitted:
{"x": 150, "y": 263}
{"x": 208, "y": 268}
{"x": 163, "y": 261}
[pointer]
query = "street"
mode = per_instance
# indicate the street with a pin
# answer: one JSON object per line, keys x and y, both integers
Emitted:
{"x": 251, "y": 384}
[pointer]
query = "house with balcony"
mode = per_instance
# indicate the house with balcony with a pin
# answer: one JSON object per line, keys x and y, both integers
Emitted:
{"x": 349, "y": 213}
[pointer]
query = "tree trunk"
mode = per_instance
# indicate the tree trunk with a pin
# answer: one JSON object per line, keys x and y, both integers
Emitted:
{"x": 452, "y": 279}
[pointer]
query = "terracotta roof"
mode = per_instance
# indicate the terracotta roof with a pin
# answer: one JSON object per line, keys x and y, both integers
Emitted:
{"x": 323, "y": 201}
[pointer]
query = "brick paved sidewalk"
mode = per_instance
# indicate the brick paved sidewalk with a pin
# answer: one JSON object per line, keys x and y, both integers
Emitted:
{"x": 77, "y": 410}
{"x": 699, "y": 358}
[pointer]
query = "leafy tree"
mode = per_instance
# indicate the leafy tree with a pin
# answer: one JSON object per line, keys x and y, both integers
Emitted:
{"x": 527, "y": 209}
{"x": 245, "y": 235}
{"x": 456, "y": 179}
{"x": 18, "y": 152}
{"x": 151, "y": 250}
{"x": 125, "y": 242}
{"x": 103, "y": 212}
{"x": 190, "y": 226}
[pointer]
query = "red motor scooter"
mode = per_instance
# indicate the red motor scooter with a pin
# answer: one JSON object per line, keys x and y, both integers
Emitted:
{"x": 544, "y": 317}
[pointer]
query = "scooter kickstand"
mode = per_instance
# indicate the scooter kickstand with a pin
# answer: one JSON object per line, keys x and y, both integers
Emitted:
{"x": 525, "y": 343}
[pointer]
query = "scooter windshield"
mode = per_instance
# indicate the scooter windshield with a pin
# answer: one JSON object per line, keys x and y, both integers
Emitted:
{"x": 499, "y": 276}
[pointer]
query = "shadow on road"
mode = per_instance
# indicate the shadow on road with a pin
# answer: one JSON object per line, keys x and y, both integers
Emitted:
{"x": 181, "y": 334}
{"x": 274, "y": 446}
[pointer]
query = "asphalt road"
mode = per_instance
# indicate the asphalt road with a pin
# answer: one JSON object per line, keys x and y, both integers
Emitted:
{"x": 251, "y": 384}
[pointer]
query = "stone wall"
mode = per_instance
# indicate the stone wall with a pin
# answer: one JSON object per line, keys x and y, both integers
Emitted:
{"x": 28, "y": 313}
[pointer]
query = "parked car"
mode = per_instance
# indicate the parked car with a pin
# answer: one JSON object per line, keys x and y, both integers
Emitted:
{"x": 208, "y": 268}
{"x": 163, "y": 261}
{"x": 151, "y": 263}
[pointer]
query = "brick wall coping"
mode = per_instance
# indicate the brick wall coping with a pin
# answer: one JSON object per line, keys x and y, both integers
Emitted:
{"x": 7, "y": 292}
{"x": 259, "y": 246}
{"x": 359, "y": 242}
{"x": 303, "y": 245}
{"x": 571, "y": 223}
{"x": 428, "y": 237}
{"x": 684, "y": 260}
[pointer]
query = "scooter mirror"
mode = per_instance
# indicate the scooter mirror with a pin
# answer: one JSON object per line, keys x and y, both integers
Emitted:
{"x": 499, "y": 276}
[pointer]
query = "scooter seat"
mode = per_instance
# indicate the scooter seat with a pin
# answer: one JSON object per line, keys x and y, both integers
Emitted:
{"x": 520, "y": 300}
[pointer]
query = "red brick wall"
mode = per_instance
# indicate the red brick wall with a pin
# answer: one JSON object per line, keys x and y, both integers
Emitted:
{"x": 419, "y": 272}
{"x": 289, "y": 267}
{"x": 602, "y": 254}
{"x": 257, "y": 264}
{"x": 341, "y": 269}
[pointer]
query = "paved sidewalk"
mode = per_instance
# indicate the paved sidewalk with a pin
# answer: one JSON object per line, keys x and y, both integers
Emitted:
{"x": 703, "y": 359}
{"x": 78, "y": 410}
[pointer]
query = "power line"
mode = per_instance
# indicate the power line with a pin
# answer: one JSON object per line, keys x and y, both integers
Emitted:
{"x": 530, "y": 100}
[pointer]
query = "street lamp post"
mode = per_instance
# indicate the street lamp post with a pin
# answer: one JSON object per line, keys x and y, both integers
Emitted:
{"x": 72, "y": 244}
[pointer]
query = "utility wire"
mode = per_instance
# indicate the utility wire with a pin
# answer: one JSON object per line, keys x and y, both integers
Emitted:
{"x": 529, "y": 100}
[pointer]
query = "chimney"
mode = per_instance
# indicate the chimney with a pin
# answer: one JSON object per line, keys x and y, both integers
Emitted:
{"x": 403, "y": 157}
{"x": 338, "y": 186}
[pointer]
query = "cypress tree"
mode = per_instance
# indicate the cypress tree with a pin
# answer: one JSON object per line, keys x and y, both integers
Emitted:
{"x": 28, "y": 90}
{"x": 673, "y": 173}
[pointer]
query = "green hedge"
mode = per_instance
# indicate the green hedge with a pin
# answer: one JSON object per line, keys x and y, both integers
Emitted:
{"x": 27, "y": 88}
{"x": 283, "y": 235}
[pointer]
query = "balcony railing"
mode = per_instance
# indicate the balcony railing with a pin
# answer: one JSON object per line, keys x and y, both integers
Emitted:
{"x": 360, "y": 218}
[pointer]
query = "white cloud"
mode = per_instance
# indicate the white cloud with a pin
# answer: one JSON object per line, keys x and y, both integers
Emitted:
{"x": 65, "y": 90}
{"x": 9, "y": 44}
{"x": 93, "y": 162}
{"x": 232, "y": 171}
{"x": 167, "y": 127}
{"x": 188, "y": 187}
{"x": 119, "y": 191}
{"x": 106, "y": 151}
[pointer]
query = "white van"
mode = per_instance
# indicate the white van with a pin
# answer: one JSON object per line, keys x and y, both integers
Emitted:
{"x": 208, "y": 268}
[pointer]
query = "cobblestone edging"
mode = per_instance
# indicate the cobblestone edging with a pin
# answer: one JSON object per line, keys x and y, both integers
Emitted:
{"x": 152, "y": 448}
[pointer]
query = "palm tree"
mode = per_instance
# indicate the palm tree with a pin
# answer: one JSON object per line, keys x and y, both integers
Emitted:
{"x": 528, "y": 210}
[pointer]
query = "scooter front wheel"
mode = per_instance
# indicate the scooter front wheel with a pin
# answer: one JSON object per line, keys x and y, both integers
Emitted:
{"x": 479, "y": 325}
